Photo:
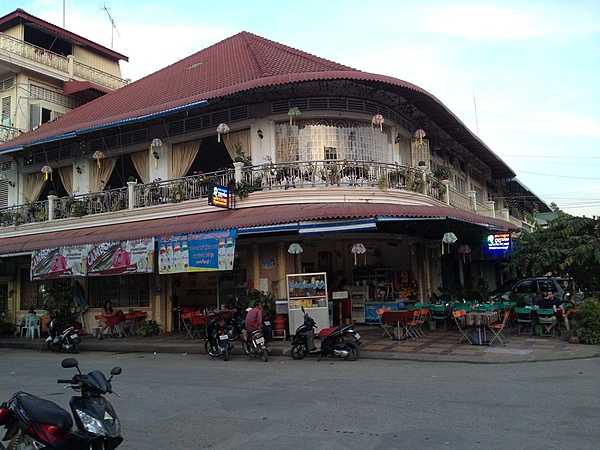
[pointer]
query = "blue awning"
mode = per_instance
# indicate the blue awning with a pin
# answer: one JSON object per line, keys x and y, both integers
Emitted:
{"x": 337, "y": 225}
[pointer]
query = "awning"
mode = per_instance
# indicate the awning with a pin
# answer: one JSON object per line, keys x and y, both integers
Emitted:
{"x": 263, "y": 219}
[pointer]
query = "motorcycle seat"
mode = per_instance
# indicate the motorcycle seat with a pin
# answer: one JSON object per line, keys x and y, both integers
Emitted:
{"x": 43, "y": 411}
{"x": 327, "y": 331}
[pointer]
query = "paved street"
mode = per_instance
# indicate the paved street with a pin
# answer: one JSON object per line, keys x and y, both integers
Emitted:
{"x": 188, "y": 402}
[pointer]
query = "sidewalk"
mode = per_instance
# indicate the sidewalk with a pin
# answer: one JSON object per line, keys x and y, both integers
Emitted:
{"x": 436, "y": 346}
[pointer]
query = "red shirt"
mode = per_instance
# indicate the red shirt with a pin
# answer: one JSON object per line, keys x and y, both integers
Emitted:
{"x": 254, "y": 320}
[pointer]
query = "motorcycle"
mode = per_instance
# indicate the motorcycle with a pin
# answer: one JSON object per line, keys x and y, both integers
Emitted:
{"x": 255, "y": 346}
{"x": 33, "y": 423}
{"x": 66, "y": 341}
{"x": 334, "y": 341}
{"x": 218, "y": 344}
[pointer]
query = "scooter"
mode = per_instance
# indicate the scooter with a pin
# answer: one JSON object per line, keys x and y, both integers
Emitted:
{"x": 218, "y": 343}
{"x": 255, "y": 346}
{"x": 68, "y": 341}
{"x": 341, "y": 342}
{"x": 33, "y": 423}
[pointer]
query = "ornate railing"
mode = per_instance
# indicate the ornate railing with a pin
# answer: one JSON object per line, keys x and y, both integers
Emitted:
{"x": 338, "y": 173}
{"x": 180, "y": 189}
{"x": 97, "y": 76}
{"x": 58, "y": 62}
{"x": 99, "y": 202}
{"x": 460, "y": 200}
{"x": 22, "y": 214}
{"x": 8, "y": 133}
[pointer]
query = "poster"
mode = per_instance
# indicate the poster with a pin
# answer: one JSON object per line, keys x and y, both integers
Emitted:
{"x": 219, "y": 197}
{"x": 121, "y": 257}
{"x": 197, "y": 252}
{"x": 61, "y": 262}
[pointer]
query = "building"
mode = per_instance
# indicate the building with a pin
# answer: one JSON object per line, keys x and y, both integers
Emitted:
{"x": 366, "y": 173}
{"x": 45, "y": 71}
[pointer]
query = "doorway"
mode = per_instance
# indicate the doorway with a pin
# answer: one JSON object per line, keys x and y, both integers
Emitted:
{"x": 3, "y": 300}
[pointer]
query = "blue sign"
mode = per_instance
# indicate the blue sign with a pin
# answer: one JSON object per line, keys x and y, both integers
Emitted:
{"x": 219, "y": 196}
{"x": 497, "y": 245}
{"x": 197, "y": 252}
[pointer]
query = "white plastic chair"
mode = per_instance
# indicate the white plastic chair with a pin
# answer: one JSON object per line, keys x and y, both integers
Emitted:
{"x": 32, "y": 325}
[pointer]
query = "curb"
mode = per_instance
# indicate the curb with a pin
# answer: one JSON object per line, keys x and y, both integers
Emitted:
{"x": 124, "y": 348}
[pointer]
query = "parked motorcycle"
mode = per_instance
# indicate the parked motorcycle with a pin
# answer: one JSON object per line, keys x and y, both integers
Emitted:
{"x": 66, "y": 341}
{"x": 341, "y": 342}
{"x": 255, "y": 346}
{"x": 218, "y": 344}
{"x": 33, "y": 423}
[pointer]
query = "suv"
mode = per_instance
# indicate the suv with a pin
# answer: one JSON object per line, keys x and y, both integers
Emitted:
{"x": 529, "y": 287}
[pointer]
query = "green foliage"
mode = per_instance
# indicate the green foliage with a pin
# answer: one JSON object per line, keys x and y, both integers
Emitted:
{"x": 442, "y": 173}
{"x": 588, "y": 322}
{"x": 149, "y": 328}
{"x": 240, "y": 156}
{"x": 569, "y": 245}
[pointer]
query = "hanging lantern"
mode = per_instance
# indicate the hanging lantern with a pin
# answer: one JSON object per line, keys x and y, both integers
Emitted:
{"x": 98, "y": 155}
{"x": 377, "y": 120}
{"x": 358, "y": 249}
{"x": 293, "y": 113}
{"x": 223, "y": 128}
{"x": 295, "y": 249}
{"x": 47, "y": 170}
{"x": 448, "y": 239}
{"x": 465, "y": 251}
{"x": 155, "y": 147}
{"x": 420, "y": 135}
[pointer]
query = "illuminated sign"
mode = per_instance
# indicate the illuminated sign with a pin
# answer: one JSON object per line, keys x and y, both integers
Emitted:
{"x": 498, "y": 242}
{"x": 219, "y": 197}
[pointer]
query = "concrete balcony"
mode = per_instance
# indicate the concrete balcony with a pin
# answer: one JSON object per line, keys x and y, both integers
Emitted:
{"x": 37, "y": 59}
{"x": 8, "y": 133}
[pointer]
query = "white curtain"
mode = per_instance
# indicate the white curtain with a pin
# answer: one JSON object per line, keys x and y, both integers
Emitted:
{"x": 182, "y": 158}
{"x": 66, "y": 176}
{"x": 141, "y": 162}
{"x": 238, "y": 139}
{"x": 33, "y": 185}
{"x": 99, "y": 175}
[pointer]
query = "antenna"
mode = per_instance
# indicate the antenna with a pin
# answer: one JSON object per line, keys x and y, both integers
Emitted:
{"x": 476, "y": 118}
{"x": 113, "y": 25}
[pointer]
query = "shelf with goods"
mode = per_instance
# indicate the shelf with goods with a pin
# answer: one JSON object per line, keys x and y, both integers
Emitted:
{"x": 386, "y": 284}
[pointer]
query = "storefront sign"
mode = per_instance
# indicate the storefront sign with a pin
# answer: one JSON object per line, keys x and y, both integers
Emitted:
{"x": 197, "y": 252}
{"x": 61, "y": 262}
{"x": 498, "y": 242}
{"x": 121, "y": 257}
{"x": 219, "y": 197}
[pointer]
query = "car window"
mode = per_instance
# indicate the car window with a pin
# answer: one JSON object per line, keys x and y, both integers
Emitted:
{"x": 547, "y": 285}
{"x": 526, "y": 287}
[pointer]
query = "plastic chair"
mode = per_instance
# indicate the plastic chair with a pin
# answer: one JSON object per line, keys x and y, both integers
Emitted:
{"x": 439, "y": 314}
{"x": 32, "y": 325}
{"x": 547, "y": 319}
{"x": 524, "y": 319}
{"x": 459, "y": 317}
{"x": 498, "y": 328}
{"x": 384, "y": 326}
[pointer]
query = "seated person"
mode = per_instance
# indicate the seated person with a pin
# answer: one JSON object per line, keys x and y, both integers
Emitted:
{"x": 547, "y": 301}
{"x": 105, "y": 324}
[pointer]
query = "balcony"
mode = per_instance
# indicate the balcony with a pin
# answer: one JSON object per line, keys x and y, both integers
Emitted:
{"x": 8, "y": 133}
{"x": 298, "y": 179}
{"x": 18, "y": 51}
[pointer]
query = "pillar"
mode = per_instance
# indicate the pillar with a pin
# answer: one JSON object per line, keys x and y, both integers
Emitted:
{"x": 427, "y": 264}
{"x": 446, "y": 184}
{"x": 238, "y": 171}
{"x": 51, "y": 205}
{"x": 131, "y": 194}
{"x": 505, "y": 214}
{"x": 255, "y": 266}
{"x": 492, "y": 206}
{"x": 71, "y": 65}
{"x": 473, "y": 197}
{"x": 282, "y": 269}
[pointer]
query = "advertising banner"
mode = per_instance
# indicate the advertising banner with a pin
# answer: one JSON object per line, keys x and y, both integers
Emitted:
{"x": 220, "y": 196}
{"x": 121, "y": 257}
{"x": 61, "y": 262}
{"x": 197, "y": 252}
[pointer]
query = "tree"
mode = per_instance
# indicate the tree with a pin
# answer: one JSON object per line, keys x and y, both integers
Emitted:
{"x": 568, "y": 246}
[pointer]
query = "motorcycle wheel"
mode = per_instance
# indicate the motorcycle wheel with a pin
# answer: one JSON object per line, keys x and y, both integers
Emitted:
{"x": 99, "y": 445}
{"x": 246, "y": 349}
{"x": 298, "y": 351}
{"x": 353, "y": 352}
{"x": 227, "y": 354}
{"x": 208, "y": 349}
{"x": 75, "y": 348}
{"x": 264, "y": 355}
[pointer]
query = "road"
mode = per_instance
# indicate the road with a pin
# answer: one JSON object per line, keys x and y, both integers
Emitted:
{"x": 181, "y": 402}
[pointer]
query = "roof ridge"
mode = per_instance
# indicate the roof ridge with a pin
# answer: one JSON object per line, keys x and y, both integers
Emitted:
{"x": 297, "y": 52}
{"x": 244, "y": 35}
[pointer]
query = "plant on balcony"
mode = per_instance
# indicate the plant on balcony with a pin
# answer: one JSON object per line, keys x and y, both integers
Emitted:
{"x": 442, "y": 173}
{"x": 240, "y": 156}
{"x": 243, "y": 189}
{"x": 382, "y": 182}
{"x": 8, "y": 218}
{"x": 177, "y": 194}
{"x": 39, "y": 214}
{"x": 76, "y": 207}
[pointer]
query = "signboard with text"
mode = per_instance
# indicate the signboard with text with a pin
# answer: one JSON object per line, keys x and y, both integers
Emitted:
{"x": 498, "y": 244}
{"x": 219, "y": 196}
{"x": 60, "y": 262}
{"x": 121, "y": 257}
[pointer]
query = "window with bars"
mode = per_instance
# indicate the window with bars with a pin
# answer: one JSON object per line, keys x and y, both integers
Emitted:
{"x": 41, "y": 93}
{"x": 5, "y": 112}
{"x": 3, "y": 193}
{"x": 460, "y": 184}
{"x": 124, "y": 291}
{"x": 7, "y": 84}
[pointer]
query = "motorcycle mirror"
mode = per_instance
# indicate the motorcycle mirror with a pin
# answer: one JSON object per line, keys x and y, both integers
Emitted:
{"x": 116, "y": 371}
{"x": 69, "y": 363}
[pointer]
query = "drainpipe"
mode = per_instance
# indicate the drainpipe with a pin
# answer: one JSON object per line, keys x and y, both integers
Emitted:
{"x": 51, "y": 205}
{"x": 131, "y": 194}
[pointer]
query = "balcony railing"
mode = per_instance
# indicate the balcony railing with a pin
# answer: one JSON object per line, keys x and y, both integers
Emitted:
{"x": 264, "y": 177}
{"x": 8, "y": 133}
{"x": 13, "y": 46}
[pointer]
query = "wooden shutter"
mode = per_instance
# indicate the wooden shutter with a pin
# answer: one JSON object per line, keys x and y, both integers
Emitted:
{"x": 5, "y": 112}
{"x": 35, "y": 116}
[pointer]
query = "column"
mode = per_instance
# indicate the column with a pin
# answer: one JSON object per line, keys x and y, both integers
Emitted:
{"x": 51, "y": 205}
{"x": 282, "y": 269}
{"x": 446, "y": 184}
{"x": 492, "y": 206}
{"x": 427, "y": 264}
{"x": 255, "y": 266}
{"x": 131, "y": 194}
{"x": 473, "y": 198}
{"x": 505, "y": 214}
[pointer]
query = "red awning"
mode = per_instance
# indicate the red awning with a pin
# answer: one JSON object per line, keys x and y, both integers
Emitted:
{"x": 240, "y": 218}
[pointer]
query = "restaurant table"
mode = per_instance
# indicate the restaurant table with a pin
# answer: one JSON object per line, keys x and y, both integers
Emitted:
{"x": 479, "y": 321}
{"x": 397, "y": 318}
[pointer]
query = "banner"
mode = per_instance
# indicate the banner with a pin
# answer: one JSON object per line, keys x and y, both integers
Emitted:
{"x": 61, "y": 262}
{"x": 197, "y": 252}
{"x": 121, "y": 257}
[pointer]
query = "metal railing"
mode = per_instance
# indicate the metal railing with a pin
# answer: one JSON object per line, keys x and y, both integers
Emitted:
{"x": 180, "y": 189}
{"x": 8, "y": 133}
{"x": 111, "y": 200}
{"x": 22, "y": 214}
{"x": 31, "y": 52}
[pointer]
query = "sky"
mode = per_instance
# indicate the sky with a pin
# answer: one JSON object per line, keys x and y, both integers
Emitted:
{"x": 530, "y": 69}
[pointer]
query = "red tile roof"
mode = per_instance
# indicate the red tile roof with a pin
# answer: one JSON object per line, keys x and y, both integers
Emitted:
{"x": 239, "y": 63}
{"x": 20, "y": 15}
{"x": 241, "y": 218}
